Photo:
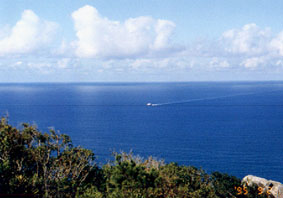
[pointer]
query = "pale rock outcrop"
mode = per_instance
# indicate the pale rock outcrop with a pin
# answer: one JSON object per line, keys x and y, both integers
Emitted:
{"x": 273, "y": 187}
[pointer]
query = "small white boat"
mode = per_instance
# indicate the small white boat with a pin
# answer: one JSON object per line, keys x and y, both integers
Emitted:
{"x": 149, "y": 104}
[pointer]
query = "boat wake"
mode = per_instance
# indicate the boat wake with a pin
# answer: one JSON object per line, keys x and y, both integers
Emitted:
{"x": 203, "y": 99}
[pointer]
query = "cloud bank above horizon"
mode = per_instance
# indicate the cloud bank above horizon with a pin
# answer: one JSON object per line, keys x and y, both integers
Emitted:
{"x": 140, "y": 45}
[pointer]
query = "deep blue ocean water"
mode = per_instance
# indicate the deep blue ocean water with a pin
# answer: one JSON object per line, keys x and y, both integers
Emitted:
{"x": 232, "y": 127}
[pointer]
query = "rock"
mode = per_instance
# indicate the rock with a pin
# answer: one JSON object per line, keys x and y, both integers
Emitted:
{"x": 273, "y": 187}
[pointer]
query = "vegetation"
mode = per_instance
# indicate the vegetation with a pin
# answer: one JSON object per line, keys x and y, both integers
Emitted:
{"x": 49, "y": 165}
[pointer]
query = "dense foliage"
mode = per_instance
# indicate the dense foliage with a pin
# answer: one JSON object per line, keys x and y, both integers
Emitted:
{"x": 48, "y": 165}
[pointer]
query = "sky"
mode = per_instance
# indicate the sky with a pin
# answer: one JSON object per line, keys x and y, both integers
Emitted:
{"x": 141, "y": 40}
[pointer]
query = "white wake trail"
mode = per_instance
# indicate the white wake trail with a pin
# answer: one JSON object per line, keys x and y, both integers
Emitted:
{"x": 212, "y": 98}
{"x": 201, "y": 99}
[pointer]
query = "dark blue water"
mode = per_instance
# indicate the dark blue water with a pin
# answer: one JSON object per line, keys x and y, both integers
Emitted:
{"x": 229, "y": 127}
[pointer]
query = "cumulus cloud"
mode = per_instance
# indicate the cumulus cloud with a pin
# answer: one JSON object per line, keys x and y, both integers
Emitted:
{"x": 170, "y": 63}
{"x": 141, "y": 44}
{"x": 253, "y": 62}
{"x": 250, "y": 39}
{"x": 18, "y": 63}
{"x": 216, "y": 62}
{"x": 29, "y": 34}
{"x": 277, "y": 43}
{"x": 247, "y": 48}
{"x": 65, "y": 63}
{"x": 98, "y": 36}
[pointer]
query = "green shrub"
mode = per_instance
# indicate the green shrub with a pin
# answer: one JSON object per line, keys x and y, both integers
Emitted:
{"x": 48, "y": 165}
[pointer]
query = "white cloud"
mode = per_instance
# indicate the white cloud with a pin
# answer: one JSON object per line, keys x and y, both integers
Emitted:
{"x": 216, "y": 62}
{"x": 101, "y": 37}
{"x": 41, "y": 66}
{"x": 247, "y": 48}
{"x": 141, "y": 63}
{"x": 138, "y": 45}
{"x": 29, "y": 34}
{"x": 250, "y": 39}
{"x": 155, "y": 64}
{"x": 277, "y": 43}
{"x": 253, "y": 62}
{"x": 18, "y": 63}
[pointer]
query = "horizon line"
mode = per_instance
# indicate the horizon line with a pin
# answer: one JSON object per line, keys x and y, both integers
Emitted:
{"x": 111, "y": 82}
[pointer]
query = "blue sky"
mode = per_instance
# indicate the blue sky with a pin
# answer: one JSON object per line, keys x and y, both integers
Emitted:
{"x": 140, "y": 40}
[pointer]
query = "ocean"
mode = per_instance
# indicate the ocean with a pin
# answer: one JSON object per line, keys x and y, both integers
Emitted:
{"x": 232, "y": 127}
